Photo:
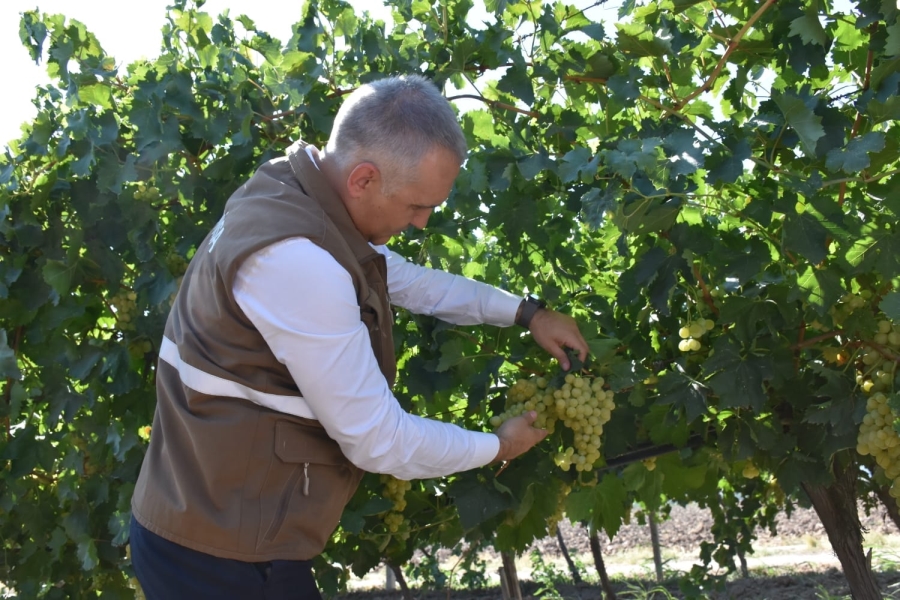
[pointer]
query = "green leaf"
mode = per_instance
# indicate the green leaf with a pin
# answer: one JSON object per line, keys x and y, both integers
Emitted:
{"x": 801, "y": 118}
{"x": 822, "y": 287}
{"x": 602, "y": 350}
{"x": 889, "y": 305}
{"x": 739, "y": 379}
{"x": 809, "y": 29}
{"x": 477, "y": 502}
{"x": 580, "y": 504}
{"x": 889, "y": 110}
{"x": 804, "y": 234}
{"x": 451, "y": 354}
{"x": 578, "y": 164}
{"x": 9, "y": 367}
{"x": 855, "y": 156}
{"x": 684, "y": 393}
{"x": 98, "y": 94}
{"x": 612, "y": 504}
{"x": 532, "y": 165}
{"x": 892, "y": 44}
{"x": 726, "y": 165}
{"x": 58, "y": 275}
{"x": 518, "y": 82}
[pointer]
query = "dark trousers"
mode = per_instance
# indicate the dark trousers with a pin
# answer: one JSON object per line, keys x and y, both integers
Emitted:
{"x": 168, "y": 571}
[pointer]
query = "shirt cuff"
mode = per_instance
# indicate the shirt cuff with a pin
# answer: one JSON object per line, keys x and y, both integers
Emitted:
{"x": 487, "y": 445}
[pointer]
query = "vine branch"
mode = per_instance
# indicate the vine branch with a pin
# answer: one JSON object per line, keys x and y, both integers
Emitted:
{"x": 732, "y": 46}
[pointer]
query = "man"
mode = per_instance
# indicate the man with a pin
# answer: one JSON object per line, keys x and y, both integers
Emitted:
{"x": 276, "y": 366}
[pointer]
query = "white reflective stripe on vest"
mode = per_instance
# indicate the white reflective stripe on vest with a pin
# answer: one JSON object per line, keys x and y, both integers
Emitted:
{"x": 212, "y": 385}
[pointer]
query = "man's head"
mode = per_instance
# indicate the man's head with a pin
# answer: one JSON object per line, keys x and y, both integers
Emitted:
{"x": 394, "y": 152}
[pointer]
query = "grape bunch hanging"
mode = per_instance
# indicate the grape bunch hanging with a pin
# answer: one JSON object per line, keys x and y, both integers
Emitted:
{"x": 581, "y": 405}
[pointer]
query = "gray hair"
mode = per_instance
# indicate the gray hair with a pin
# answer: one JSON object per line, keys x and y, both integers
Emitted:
{"x": 393, "y": 123}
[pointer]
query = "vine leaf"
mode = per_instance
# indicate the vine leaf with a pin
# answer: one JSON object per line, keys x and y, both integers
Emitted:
{"x": 9, "y": 368}
{"x": 890, "y": 306}
{"x": 802, "y": 119}
{"x": 804, "y": 234}
{"x": 855, "y": 156}
{"x": 477, "y": 502}
{"x": 809, "y": 29}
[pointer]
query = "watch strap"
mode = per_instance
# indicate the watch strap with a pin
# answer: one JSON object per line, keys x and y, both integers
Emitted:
{"x": 527, "y": 309}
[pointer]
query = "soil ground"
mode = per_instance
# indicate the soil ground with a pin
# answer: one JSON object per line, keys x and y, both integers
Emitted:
{"x": 796, "y": 564}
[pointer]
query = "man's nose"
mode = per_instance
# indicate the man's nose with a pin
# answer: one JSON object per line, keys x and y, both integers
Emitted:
{"x": 420, "y": 221}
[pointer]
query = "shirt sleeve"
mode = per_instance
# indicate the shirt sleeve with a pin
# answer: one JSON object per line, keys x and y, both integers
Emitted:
{"x": 304, "y": 305}
{"x": 453, "y": 298}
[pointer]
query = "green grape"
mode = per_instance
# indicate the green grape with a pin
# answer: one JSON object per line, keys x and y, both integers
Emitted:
{"x": 581, "y": 404}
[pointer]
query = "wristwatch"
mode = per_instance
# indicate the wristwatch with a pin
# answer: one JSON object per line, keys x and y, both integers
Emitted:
{"x": 529, "y": 306}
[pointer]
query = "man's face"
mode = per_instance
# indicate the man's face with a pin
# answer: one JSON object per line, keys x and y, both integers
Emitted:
{"x": 381, "y": 217}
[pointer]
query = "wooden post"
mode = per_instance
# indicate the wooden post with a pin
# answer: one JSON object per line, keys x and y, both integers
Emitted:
{"x": 654, "y": 540}
{"x": 512, "y": 577}
{"x": 390, "y": 582}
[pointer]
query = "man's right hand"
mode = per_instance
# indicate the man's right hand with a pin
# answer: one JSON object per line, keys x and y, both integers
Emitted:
{"x": 517, "y": 436}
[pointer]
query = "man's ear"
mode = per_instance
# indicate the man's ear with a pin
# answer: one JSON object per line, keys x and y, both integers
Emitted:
{"x": 364, "y": 178}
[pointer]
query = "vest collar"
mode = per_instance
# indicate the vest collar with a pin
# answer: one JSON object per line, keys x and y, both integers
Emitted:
{"x": 317, "y": 187}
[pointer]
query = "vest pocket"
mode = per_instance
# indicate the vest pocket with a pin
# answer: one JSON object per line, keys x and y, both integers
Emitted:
{"x": 315, "y": 481}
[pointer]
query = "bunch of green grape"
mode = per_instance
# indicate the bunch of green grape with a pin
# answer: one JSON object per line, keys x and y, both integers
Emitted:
{"x": 554, "y": 519}
{"x": 691, "y": 332}
{"x": 878, "y": 437}
{"x": 581, "y": 405}
{"x": 125, "y": 308}
{"x": 395, "y": 490}
{"x": 145, "y": 192}
{"x": 879, "y": 370}
{"x": 176, "y": 263}
{"x": 875, "y": 376}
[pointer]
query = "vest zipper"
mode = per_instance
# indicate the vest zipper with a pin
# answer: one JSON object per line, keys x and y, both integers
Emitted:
{"x": 306, "y": 479}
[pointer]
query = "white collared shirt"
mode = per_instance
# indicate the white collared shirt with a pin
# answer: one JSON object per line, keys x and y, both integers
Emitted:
{"x": 312, "y": 325}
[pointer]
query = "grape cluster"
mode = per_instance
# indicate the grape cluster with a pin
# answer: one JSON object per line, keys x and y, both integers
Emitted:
{"x": 875, "y": 376}
{"x": 750, "y": 470}
{"x": 878, "y": 437}
{"x": 139, "y": 348}
{"x": 554, "y": 519}
{"x": 691, "y": 333}
{"x": 581, "y": 404}
{"x": 125, "y": 308}
{"x": 176, "y": 263}
{"x": 878, "y": 374}
{"x": 145, "y": 192}
{"x": 395, "y": 491}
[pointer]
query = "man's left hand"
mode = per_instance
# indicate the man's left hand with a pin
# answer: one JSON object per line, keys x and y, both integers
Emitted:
{"x": 555, "y": 332}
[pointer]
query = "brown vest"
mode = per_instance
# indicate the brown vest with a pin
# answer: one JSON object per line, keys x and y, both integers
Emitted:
{"x": 223, "y": 474}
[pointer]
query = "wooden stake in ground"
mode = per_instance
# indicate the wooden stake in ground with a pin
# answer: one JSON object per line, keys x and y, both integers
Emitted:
{"x": 836, "y": 506}
{"x": 598, "y": 562}
{"x": 512, "y": 576}
{"x": 654, "y": 540}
